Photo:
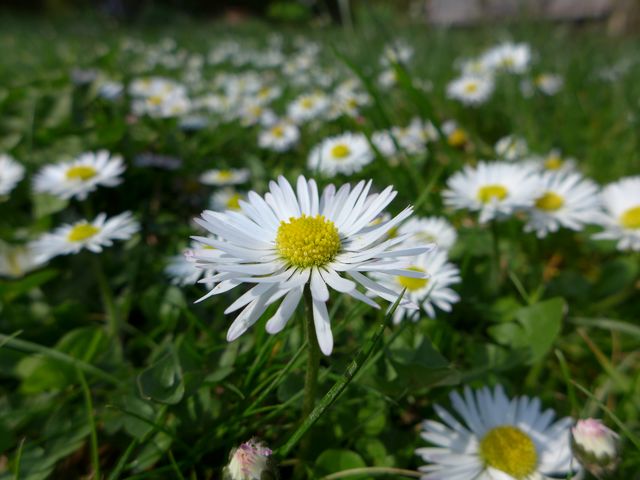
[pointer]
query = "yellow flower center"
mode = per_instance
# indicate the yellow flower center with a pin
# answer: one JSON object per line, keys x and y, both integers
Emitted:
{"x": 81, "y": 172}
{"x": 307, "y": 103}
{"x": 457, "y": 138}
{"x": 155, "y": 100}
{"x": 471, "y": 87}
{"x": 234, "y": 202}
{"x": 489, "y": 193}
{"x": 277, "y": 132}
{"x": 413, "y": 284}
{"x": 340, "y": 151}
{"x": 509, "y": 450}
{"x": 393, "y": 232}
{"x": 553, "y": 162}
{"x": 225, "y": 175}
{"x": 81, "y": 232}
{"x": 264, "y": 92}
{"x": 631, "y": 218}
{"x": 308, "y": 241}
{"x": 550, "y": 201}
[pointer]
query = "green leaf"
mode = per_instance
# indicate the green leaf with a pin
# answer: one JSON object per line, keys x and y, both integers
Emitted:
{"x": 163, "y": 381}
{"x": 334, "y": 460}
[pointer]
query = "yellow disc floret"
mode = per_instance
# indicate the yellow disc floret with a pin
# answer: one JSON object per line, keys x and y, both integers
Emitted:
{"x": 234, "y": 202}
{"x": 489, "y": 193}
{"x": 509, "y": 450}
{"x": 550, "y": 202}
{"x": 225, "y": 175}
{"x": 413, "y": 284}
{"x": 553, "y": 162}
{"x": 471, "y": 87}
{"x": 340, "y": 151}
{"x": 457, "y": 138}
{"x": 277, "y": 131}
{"x": 81, "y": 172}
{"x": 81, "y": 232}
{"x": 631, "y": 218}
{"x": 308, "y": 241}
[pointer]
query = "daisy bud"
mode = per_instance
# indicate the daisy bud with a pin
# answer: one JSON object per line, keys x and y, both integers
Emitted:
{"x": 251, "y": 461}
{"x": 595, "y": 446}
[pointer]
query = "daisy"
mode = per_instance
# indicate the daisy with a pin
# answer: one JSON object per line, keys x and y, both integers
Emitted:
{"x": 471, "y": 90}
{"x": 435, "y": 230}
{"x": 16, "y": 261}
{"x": 226, "y": 199}
{"x": 553, "y": 161}
{"x": 225, "y": 177}
{"x": 508, "y": 57}
{"x": 11, "y": 172}
{"x": 280, "y": 137}
{"x": 456, "y": 136}
{"x": 346, "y": 154}
{"x": 93, "y": 236}
{"x": 182, "y": 269}
{"x": 621, "y": 216}
{"x": 495, "y": 189}
{"x": 80, "y": 176}
{"x": 548, "y": 83}
{"x": 564, "y": 200}
{"x": 429, "y": 292}
{"x": 511, "y": 147}
{"x": 288, "y": 241}
{"x": 308, "y": 107}
{"x": 495, "y": 438}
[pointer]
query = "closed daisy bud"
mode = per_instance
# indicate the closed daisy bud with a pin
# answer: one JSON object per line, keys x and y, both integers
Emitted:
{"x": 596, "y": 446}
{"x": 251, "y": 461}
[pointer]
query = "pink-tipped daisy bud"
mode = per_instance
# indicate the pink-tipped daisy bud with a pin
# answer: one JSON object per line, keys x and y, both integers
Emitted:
{"x": 596, "y": 446}
{"x": 251, "y": 461}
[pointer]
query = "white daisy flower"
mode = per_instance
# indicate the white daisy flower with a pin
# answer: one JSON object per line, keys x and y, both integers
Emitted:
{"x": 80, "y": 176}
{"x": 548, "y": 83}
{"x": 286, "y": 242}
{"x": 471, "y": 90}
{"x": 252, "y": 113}
{"x": 11, "y": 172}
{"x": 553, "y": 162}
{"x": 182, "y": 269}
{"x": 435, "y": 230}
{"x": 511, "y": 147}
{"x": 93, "y": 236}
{"x": 495, "y": 438}
{"x": 280, "y": 137}
{"x": 346, "y": 154}
{"x": 429, "y": 292}
{"x": 388, "y": 78}
{"x": 564, "y": 200}
{"x": 621, "y": 216}
{"x": 226, "y": 199}
{"x": 172, "y": 104}
{"x": 508, "y": 57}
{"x": 308, "y": 107}
{"x": 225, "y": 177}
{"x": 17, "y": 260}
{"x": 495, "y": 189}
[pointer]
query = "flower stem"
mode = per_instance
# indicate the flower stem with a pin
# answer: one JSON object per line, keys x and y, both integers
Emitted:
{"x": 113, "y": 321}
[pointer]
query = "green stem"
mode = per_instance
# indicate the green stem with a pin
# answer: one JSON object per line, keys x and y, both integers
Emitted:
{"x": 95, "y": 456}
{"x": 495, "y": 267}
{"x": 113, "y": 322}
{"x": 374, "y": 471}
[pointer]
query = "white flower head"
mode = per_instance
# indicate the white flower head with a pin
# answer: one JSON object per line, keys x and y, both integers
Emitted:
{"x": 508, "y": 57}
{"x": 226, "y": 199}
{"x": 471, "y": 89}
{"x": 494, "y": 437}
{"x": 80, "y": 176}
{"x": 564, "y": 199}
{"x": 93, "y": 236}
{"x": 279, "y": 137}
{"x": 435, "y": 230}
{"x": 11, "y": 172}
{"x": 308, "y": 107}
{"x": 621, "y": 216}
{"x": 495, "y": 189}
{"x": 347, "y": 154}
{"x": 548, "y": 83}
{"x": 225, "y": 176}
{"x": 182, "y": 269}
{"x": 18, "y": 260}
{"x": 290, "y": 240}
{"x": 553, "y": 161}
{"x": 511, "y": 147}
{"x": 596, "y": 446}
{"x": 249, "y": 461}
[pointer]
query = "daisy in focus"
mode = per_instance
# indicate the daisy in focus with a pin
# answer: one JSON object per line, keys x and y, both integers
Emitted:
{"x": 92, "y": 236}
{"x": 346, "y": 154}
{"x": 429, "y": 292}
{"x": 80, "y": 176}
{"x": 471, "y": 90}
{"x": 225, "y": 177}
{"x": 621, "y": 216}
{"x": 289, "y": 241}
{"x": 496, "y": 189}
{"x": 435, "y": 230}
{"x": 495, "y": 438}
{"x": 568, "y": 200}
{"x": 11, "y": 172}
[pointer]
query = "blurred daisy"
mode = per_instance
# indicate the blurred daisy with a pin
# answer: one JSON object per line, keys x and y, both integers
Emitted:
{"x": 388, "y": 78}
{"x": 495, "y": 189}
{"x": 508, "y": 57}
{"x": 429, "y": 230}
{"x": 308, "y": 107}
{"x": 225, "y": 177}
{"x": 182, "y": 269}
{"x": 11, "y": 172}
{"x": 511, "y": 147}
{"x": 496, "y": 438}
{"x": 566, "y": 200}
{"x": 288, "y": 241}
{"x": 279, "y": 137}
{"x": 456, "y": 136}
{"x": 470, "y": 90}
{"x": 172, "y": 104}
{"x": 428, "y": 292}
{"x": 553, "y": 161}
{"x": 621, "y": 216}
{"x": 252, "y": 113}
{"x": 17, "y": 260}
{"x": 226, "y": 199}
{"x": 346, "y": 154}
{"x": 80, "y": 176}
{"x": 548, "y": 83}
{"x": 93, "y": 236}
